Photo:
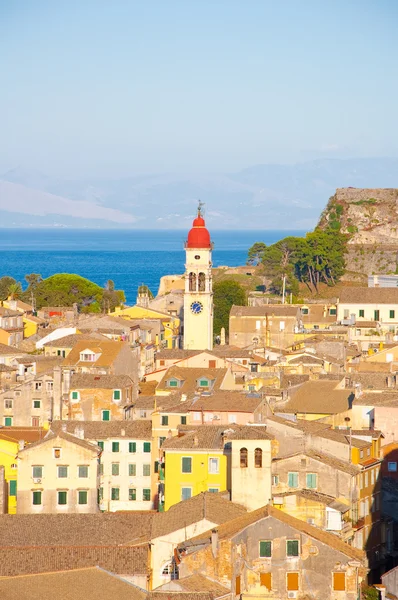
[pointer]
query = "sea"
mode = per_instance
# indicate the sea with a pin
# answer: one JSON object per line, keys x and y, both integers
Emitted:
{"x": 129, "y": 257}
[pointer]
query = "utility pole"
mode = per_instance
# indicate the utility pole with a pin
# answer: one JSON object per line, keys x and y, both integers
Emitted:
{"x": 283, "y": 288}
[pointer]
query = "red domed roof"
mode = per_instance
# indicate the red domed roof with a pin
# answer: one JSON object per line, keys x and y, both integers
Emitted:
{"x": 199, "y": 236}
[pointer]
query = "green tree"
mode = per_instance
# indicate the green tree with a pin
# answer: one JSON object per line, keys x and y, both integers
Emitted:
{"x": 33, "y": 280}
{"x": 15, "y": 290}
{"x": 5, "y": 283}
{"x": 255, "y": 253}
{"x": 225, "y": 294}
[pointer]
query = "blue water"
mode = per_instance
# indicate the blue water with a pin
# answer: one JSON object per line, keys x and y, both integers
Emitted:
{"x": 128, "y": 257}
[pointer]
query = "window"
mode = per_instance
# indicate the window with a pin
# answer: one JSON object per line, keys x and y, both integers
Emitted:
{"x": 203, "y": 383}
{"x": 100, "y": 494}
{"x": 212, "y": 364}
{"x": 161, "y": 362}
{"x": 292, "y": 480}
{"x": 172, "y": 383}
{"x": 147, "y": 446}
{"x": 186, "y": 464}
{"x": 132, "y": 470}
{"x": 146, "y": 470}
{"x": 243, "y": 458}
{"x": 8, "y": 403}
{"x": 362, "y": 313}
{"x": 266, "y": 580}
{"x": 258, "y": 458}
{"x": 213, "y": 490}
{"x": 115, "y": 493}
{"x": 311, "y": 481}
{"x": 392, "y": 314}
{"x": 132, "y": 494}
{"x": 50, "y": 385}
{"x": 183, "y": 420}
{"x": 305, "y": 310}
{"x": 161, "y": 440}
{"x": 38, "y": 385}
{"x": 197, "y": 416}
{"x": 115, "y": 468}
{"x": 105, "y": 415}
{"x": 132, "y": 446}
{"x": 62, "y": 498}
{"x": 13, "y": 487}
{"x": 35, "y": 421}
{"x": 146, "y": 495}
{"x": 82, "y": 497}
{"x": 101, "y": 445}
{"x": 332, "y": 311}
{"x": 83, "y": 470}
{"x": 115, "y": 446}
{"x": 339, "y": 582}
{"x": 392, "y": 467}
{"x": 165, "y": 420}
{"x": 275, "y": 479}
{"x": 186, "y": 493}
{"x": 265, "y": 549}
{"x": 8, "y": 421}
{"x": 62, "y": 471}
{"x": 361, "y": 453}
{"x": 75, "y": 395}
{"x": 37, "y": 472}
{"x": 292, "y": 548}
{"x": 377, "y": 315}
{"x": 57, "y": 452}
{"x": 36, "y": 403}
{"x": 116, "y": 394}
{"x": 101, "y": 468}
{"x": 36, "y": 499}
{"x": 214, "y": 465}
{"x": 292, "y": 581}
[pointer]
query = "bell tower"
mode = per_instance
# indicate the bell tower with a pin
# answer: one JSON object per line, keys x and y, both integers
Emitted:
{"x": 198, "y": 295}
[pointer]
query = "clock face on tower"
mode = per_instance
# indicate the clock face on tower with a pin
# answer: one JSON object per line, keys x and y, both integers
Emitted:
{"x": 196, "y": 307}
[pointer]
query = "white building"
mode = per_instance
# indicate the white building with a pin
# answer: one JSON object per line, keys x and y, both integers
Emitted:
{"x": 369, "y": 304}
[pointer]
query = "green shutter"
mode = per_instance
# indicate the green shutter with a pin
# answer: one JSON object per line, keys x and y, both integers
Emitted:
{"x": 132, "y": 494}
{"x": 146, "y": 494}
{"x": 8, "y": 421}
{"x": 187, "y": 464}
{"x": 165, "y": 420}
{"x": 13, "y": 487}
{"x": 132, "y": 470}
{"x": 62, "y": 497}
{"x": 115, "y": 446}
{"x": 392, "y": 314}
{"x": 293, "y": 480}
{"x": 36, "y": 498}
{"x": 75, "y": 395}
{"x": 265, "y": 549}
{"x": 105, "y": 415}
{"x": 82, "y": 497}
{"x": 311, "y": 480}
{"x": 132, "y": 447}
{"x": 116, "y": 394}
{"x": 183, "y": 420}
{"x": 147, "y": 446}
{"x": 292, "y": 548}
{"x": 101, "y": 445}
{"x": 115, "y": 494}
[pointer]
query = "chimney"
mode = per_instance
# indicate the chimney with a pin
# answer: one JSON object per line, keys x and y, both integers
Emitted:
{"x": 123, "y": 432}
{"x": 214, "y": 542}
{"x": 183, "y": 397}
{"x": 79, "y": 431}
{"x": 381, "y": 589}
{"x": 63, "y": 427}
{"x": 196, "y": 441}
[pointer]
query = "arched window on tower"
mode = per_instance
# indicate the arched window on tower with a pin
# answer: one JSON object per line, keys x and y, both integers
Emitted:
{"x": 192, "y": 282}
{"x": 258, "y": 458}
{"x": 243, "y": 458}
{"x": 202, "y": 282}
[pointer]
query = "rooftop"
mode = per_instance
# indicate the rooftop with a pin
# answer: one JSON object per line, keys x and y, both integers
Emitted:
{"x": 108, "y": 351}
{"x": 321, "y": 396}
{"x": 368, "y": 295}
{"x": 100, "y": 430}
{"x": 80, "y": 381}
{"x": 270, "y": 310}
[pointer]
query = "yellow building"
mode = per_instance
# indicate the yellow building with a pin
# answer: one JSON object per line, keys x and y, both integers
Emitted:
{"x": 194, "y": 463}
{"x": 170, "y": 323}
{"x": 10, "y": 440}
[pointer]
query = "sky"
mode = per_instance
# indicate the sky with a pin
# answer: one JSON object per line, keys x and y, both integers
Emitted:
{"x": 100, "y": 88}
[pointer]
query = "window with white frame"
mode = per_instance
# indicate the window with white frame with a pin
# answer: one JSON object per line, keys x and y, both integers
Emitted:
{"x": 214, "y": 465}
{"x": 7, "y": 403}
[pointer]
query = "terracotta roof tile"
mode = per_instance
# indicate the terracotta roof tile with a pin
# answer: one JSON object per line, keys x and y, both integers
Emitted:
{"x": 194, "y": 583}
{"x": 320, "y": 396}
{"x": 109, "y": 351}
{"x": 91, "y": 583}
{"x": 27, "y": 434}
{"x": 278, "y": 310}
{"x": 368, "y": 295}
{"x": 190, "y": 377}
{"x": 100, "y": 430}
{"x": 81, "y": 381}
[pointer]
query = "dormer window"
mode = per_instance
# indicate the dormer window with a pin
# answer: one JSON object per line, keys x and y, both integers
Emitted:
{"x": 88, "y": 355}
{"x": 204, "y": 382}
{"x": 173, "y": 382}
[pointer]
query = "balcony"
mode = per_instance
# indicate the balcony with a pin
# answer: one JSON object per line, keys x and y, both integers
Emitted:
{"x": 359, "y": 523}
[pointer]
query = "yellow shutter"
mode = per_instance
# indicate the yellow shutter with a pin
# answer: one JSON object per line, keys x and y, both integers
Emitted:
{"x": 339, "y": 582}
{"x": 292, "y": 581}
{"x": 265, "y": 580}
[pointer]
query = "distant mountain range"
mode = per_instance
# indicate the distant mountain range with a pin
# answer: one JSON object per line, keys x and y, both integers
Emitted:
{"x": 260, "y": 197}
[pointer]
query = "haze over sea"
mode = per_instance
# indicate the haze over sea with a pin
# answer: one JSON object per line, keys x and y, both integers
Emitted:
{"x": 129, "y": 258}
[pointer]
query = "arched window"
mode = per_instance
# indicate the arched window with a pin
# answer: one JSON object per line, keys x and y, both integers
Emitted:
{"x": 170, "y": 570}
{"x": 258, "y": 458}
{"x": 192, "y": 282}
{"x": 243, "y": 458}
{"x": 202, "y": 282}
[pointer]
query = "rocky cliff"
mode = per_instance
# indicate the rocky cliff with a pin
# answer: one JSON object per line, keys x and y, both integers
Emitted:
{"x": 370, "y": 218}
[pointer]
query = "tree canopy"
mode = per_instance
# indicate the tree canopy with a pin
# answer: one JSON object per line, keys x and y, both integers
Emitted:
{"x": 66, "y": 289}
{"x": 319, "y": 256}
{"x": 5, "y": 283}
{"x": 225, "y": 294}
